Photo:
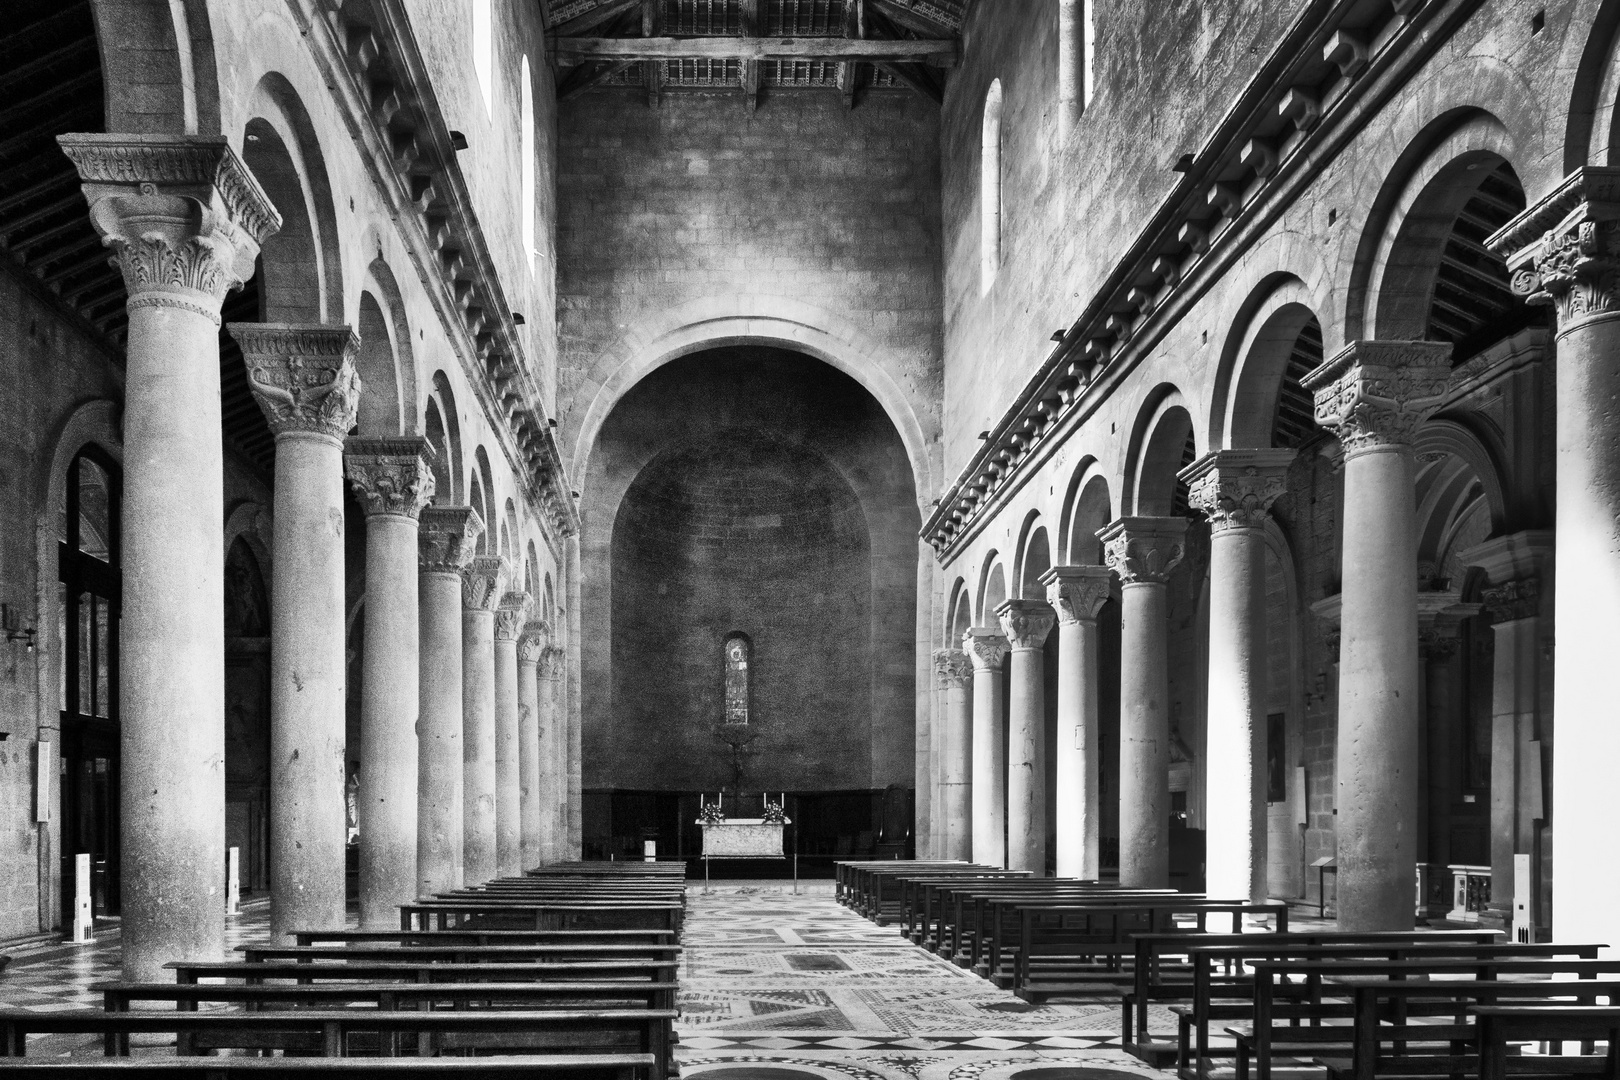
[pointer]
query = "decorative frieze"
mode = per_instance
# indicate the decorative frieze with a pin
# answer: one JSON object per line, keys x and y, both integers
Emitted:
{"x": 511, "y": 616}
{"x": 1077, "y": 593}
{"x": 1235, "y": 488}
{"x": 1374, "y": 395}
{"x": 447, "y": 539}
{"x": 1025, "y": 623}
{"x": 1565, "y": 250}
{"x": 953, "y": 669}
{"x": 985, "y": 648}
{"x": 1143, "y": 550}
{"x": 390, "y": 476}
{"x": 482, "y": 582}
{"x": 302, "y": 375}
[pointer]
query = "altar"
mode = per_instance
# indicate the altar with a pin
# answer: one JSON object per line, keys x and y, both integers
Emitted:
{"x": 746, "y": 837}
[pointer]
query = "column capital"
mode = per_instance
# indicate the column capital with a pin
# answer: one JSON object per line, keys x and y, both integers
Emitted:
{"x": 1565, "y": 250}
{"x": 183, "y": 216}
{"x": 391, "y": 477}
{"x": 511, "y": 614}
{"x": 1517, "y": 598}
{"x": 533, "y": 642}
{"x": 482, "y": 582}
{"x": 302, "y": 375}
{"x": 985, "y": 647}
{"x": 1144, "y": 549}
{"x": 447, "y": 539}
{"x": 1025, "y": 623}
{"x": 551, "y": 662}
{"x": 1440, "y": 616}
{"x": 953, "y": 669}
{"x": 1235, "y": 488}
{"x": 1077, "y": 593}
{"x": 1374, "y": 395}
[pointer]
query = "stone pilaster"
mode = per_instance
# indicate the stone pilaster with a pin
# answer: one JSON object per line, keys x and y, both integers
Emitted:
{"x": 1025, "y": 624}
{"x": 954, "y": 673}
{"x": 510, "y": 618}
{"x": 1235, "y": 490}
{"x": 1143, "y": 551}
{"x": 482, "y": 583}
{"x": 530, "y": 647}
{"x": 183, "y": 219}
{"x": 304, "y": 378}
{"x": 987, "y": 649}
{"x": 445, "y": 547}
{"x": 1374, "y": 395}
{"x": 393, "y": 480}
{"x": 1077, "y": 594}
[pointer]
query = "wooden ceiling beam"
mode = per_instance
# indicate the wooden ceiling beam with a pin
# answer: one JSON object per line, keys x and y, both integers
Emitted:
{"x": 652, "y": 72}
{"x": 579, "y": 24}
{"x": 748, "y": 70}
{"x": 849, "y": 73}
{"x": 918, "y": 17}
{"x": 586, "y": 76}
{"x": 918, "y": 79}
{"x": 934, "y": 52}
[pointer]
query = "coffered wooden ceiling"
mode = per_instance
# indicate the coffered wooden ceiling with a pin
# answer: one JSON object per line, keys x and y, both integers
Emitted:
{"x": 754, "y": 47}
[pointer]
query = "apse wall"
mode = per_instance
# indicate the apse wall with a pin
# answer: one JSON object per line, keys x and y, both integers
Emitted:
{"x": 754, "y": 491}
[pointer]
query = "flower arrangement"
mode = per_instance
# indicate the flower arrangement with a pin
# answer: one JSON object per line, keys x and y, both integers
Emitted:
{"x": 775, "y": 814}
{"x": 711, "y": 814}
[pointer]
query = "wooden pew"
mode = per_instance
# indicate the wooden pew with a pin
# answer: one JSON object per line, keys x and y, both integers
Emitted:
{"x": 549, "y": 1067}
{"x": 1501, "y": 1025}
{"x": 527, "y": 994}
{"x": 539, "y": 915}
{"x": 190, "y": 971}
{"x": 965, "y": 912}
{"x": 485, "y": 937}
{"x": 852, "y": 879}
{"x": 918, "y": 894}
{"x": 458, "y": 953}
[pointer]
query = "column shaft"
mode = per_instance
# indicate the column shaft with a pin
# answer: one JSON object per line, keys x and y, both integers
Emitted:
{"x": 1144, "y": 738}
{"x": 954, "y": 819}
{"x": 1025, "y": 623}
{"x": 1235, "y": 759}
{"x": 529, "y": 649}
{"x": 988, "y": 650}
{"x": 510, "y": 618}
{"x": 1078, "y": 594}
{"x": 553, "y": 761}
{"x": 478, "y": 743}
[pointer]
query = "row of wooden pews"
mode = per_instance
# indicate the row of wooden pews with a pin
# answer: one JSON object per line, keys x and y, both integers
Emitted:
{"x": 569, "y": 971}
{"x": 1359, "y": 1005}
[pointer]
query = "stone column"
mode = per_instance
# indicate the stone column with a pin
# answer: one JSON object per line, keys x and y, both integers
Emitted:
{"x": 553, "y": 759}
{"x": 1565, "y": 251}
{"x": 481, "y": 586}
{"x": 1143, "y": 551}
{"x": 510, "y": 618}
{"x": 393, "y": 479}
{"x": 183, "y": 219}
{"x": 1077, "y": 594}
{"x": 987, "y": 649}
{"x": 304, "y": 379}
{"x": 1514, "y": 564}
{"x": 446, "y": 544}
{"x": 530, "y": 647}
{"x": 1439, "y": 620}
{"x": 1375, "y": 395}
{"x": 955, "y": 673}
{"x": 569, "y": 709}
{"x": 1025, "y": 624}
{"x": 1235, "y": 490}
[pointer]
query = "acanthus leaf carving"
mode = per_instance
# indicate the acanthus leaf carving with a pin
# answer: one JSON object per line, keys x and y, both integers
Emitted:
{"x": 511, "y": 615}
{"x": 1235, "y": 488}
{"x": 953, "y": 668}
{"x": 303, "y": 376}
{"x": 986, "y": 648}
{"x": 1025, "y": 623}
{"x": 482, "y": 582}
{"x": 1376, "y": 394}
{"x": 1144, "y": 550}
{"x": 390, "y": 476}
{"x": 447, "y": 539}
{"x": 532, "y": 645}
{"x": 1077, "y": 593}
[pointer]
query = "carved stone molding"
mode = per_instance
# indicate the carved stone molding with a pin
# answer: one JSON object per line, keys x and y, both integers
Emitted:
{"x": 447, "y": 539}
{"x": 1025, "y": 623}
{"x": 1516, "y": 599}
{"x": 390, "y": 476}
{"x": 953, "y": 669}
{"x": 482, "y": 582}
{"x": 1235, "y": 488}
{"x": 986, "y": 648}
{"x": 532, "y": 643}
{"x": 1565, "y": 250}
{"x": 1143, "y": 550}
{"x": 512, "y": 615}
{"x": 183, "y": 216}
{"x": 1077, "y": 593}
{"x": 302, "y": 375}
{"x": 1374, "y": 395}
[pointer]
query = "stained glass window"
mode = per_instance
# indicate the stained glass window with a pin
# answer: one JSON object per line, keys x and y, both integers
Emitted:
{"x": 737, "y": 657}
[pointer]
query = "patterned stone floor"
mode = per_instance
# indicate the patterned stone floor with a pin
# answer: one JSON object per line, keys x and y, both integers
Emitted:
{"x": 778, "y": 982}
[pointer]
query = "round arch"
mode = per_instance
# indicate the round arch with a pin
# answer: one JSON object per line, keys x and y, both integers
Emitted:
{"x": 992, "y": 588}
{"x": 1034, "y": 558}
{"x": 1158, "y": 445}
{"x": 958, "y": 616}
{"x": 1086, "y": 511}
{"x": 1592, "y": 132}
{"x": 441, "y": 425}
{"x": 1254, "y": 361}
{"x": 386, "y": 361}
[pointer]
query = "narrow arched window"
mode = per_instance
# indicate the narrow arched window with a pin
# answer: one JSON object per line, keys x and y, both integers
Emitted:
{"x": 990, "y": 189}
{"x": 526, "y": 139}
{"x": 738, "y": 655}
{"x": 483, "y": 49}
{"x": 1075, "y": 42}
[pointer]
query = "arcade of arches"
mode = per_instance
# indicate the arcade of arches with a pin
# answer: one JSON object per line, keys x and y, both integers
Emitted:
{"x": 1175, "y": 451}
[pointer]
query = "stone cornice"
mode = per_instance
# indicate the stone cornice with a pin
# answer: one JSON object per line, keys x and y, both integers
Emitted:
{"x": 390, "y": 476}
{"x": 1319, "y": 87}
{"x": 380, "y": 79}
{"x": 1235, "y": 488}
{"x": 447, "y": 538}
{"x": 302, "y": 375}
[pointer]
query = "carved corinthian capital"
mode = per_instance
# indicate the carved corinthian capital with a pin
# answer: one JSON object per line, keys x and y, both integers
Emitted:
{"x": 1565, "y": 250}
{"x": 302, "y": 375}
{"x": 390, "y": 476}
{"x": 510, "y": 616}
{"x": 532, "y": 644}
{"x": 1235, "y": 488}
{"x": 482, "y": 582}
{"x": 447, "y": 538}
{"x": 1143, "y": 550}
{"x": 551, "y": 663}
{"x": 1025, "y": 623}
{"x": 1374, "y": 395}
{"x": 985, "y": 647}
{"x": 1077, "y": 593}
{"x": 953, "y": 669}
{"x": 183, "y": 216}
